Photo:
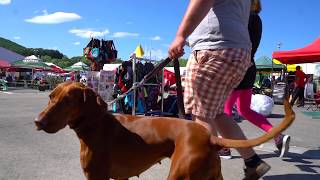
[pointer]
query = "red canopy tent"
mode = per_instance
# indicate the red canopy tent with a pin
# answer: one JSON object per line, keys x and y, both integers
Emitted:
{"x": 4, "y": 64}
{"x": 308, "y": 54}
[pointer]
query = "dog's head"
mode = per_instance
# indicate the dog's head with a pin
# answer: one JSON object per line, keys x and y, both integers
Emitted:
{"x": 68, "y": 103}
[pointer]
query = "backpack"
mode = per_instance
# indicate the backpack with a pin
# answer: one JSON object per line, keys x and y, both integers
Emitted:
{"x": 95, "y": 53}
{"x": 111, "y": 52}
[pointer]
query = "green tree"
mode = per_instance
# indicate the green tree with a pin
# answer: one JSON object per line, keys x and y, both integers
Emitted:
{"x": 12, "y": 46}
{"x": 46, "y": 58}
{"x": 182, "y": 63}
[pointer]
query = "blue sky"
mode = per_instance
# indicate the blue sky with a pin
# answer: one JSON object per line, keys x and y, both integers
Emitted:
{"x": 68, "y": 25}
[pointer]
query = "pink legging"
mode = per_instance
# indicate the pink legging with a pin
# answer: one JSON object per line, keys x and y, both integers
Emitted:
{"x": 243, "y": 98}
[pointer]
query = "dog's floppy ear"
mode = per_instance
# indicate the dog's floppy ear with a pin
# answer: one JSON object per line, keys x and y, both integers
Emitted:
{"x": 87, "y": 93}
{"x": 100, "y": 101}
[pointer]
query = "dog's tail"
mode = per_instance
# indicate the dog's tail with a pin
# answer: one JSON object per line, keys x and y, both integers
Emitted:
{"x": 286, "y": 122}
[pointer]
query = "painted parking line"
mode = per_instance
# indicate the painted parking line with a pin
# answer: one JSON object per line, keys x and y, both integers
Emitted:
{"x": 4, "y": 92}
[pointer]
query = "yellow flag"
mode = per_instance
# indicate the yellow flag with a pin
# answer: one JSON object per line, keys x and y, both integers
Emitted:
{"x": 276, "y": 61}
{"x": 290, "y": 67}
{"x": 139, "y": 51}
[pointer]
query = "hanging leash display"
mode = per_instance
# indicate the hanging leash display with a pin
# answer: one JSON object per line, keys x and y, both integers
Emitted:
{"x": 100, "y": 52}
{"x": 152, "y": 73}
{"x": 147, "y": 77}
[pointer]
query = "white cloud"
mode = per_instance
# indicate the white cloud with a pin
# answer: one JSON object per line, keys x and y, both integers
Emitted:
{"x": 156, "y": 38}
{"x": 124, "y": 34}
{"x": 88, "y": 33}
{"x": 76, "y": 43}
{"x": 16, "y": 37}
{"x": 156, "y": 54}
{"x": 54, "y": 18}
{"x": 129, "y": 23}
{"x": 5, "y": 2}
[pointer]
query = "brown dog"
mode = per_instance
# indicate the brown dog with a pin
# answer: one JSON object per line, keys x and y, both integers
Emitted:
{"x": 122, "y": 146}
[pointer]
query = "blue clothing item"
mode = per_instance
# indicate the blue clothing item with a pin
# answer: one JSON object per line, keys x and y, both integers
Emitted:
{"x": 114, "y": 107}
{"x": 225, "y": 26}
{"x": 128, "y": 100}
{"x": 140, "y": 108}
{"x": 95, "y": 52}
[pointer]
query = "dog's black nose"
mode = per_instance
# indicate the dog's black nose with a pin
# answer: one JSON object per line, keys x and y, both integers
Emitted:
{"x": 39, "y": 124}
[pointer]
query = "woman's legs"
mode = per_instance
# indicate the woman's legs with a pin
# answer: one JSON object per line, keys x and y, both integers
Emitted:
{"x": 231, "y": 100}
{"x": 243, "y": 98}
{"x": 243, "y": 105}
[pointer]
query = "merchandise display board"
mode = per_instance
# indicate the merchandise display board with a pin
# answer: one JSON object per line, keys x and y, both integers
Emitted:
{"x": 106, "y": 83}
{"x": 102, "y": 83}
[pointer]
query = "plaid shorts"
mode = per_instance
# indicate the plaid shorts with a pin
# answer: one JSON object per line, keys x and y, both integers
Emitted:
{"x": 211, "y": 76}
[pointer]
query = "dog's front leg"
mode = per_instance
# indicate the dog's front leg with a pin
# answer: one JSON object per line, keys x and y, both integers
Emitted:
{"x": 96, "y": 175}
{"x": 95, "y": 170}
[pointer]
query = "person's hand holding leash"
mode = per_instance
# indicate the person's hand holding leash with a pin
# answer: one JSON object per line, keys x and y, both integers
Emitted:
{"x": 176, "y": 48}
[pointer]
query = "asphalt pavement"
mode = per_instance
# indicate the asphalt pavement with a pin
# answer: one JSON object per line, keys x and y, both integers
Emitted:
{"x": 27, "y": 154}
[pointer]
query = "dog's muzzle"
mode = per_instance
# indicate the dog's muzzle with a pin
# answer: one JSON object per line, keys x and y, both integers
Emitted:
{"x": 40, "y": 124}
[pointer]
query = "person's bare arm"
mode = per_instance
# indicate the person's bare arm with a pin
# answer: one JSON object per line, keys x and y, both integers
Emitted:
{"x": 196, "y": 11}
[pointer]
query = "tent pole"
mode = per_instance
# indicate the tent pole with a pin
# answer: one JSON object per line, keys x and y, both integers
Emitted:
{"x": 272, "y": 68}
{"x": 134, "y": 84}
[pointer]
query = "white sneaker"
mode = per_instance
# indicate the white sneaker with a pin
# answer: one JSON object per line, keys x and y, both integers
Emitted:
{"x": 283, "y": 144}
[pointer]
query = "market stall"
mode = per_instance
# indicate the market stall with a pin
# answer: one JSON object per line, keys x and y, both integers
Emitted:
{"x": 308, "y": 54}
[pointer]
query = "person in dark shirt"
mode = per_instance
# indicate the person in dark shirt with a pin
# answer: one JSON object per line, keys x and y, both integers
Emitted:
{"x": 243, "y": 93}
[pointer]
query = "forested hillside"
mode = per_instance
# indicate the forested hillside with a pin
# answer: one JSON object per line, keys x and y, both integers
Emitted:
{"x": 12, "y": 46}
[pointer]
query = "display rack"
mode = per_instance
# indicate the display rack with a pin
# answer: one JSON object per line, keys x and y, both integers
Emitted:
{"x": 134, "y": 60}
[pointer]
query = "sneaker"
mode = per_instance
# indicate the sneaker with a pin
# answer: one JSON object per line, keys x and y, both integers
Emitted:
{"x": 256, "y": 172}
{"x": 283, "y": 144}
{"x": 225, "y": 153}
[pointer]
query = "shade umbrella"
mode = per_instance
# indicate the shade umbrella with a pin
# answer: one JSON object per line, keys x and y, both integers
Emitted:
{"x": 4, "y": 64}
{"x": 31, "y": 62}
{"x": 265, "y": 63}
{"x": 31, "y": 65}
{"x": 79, "y": 66}
{"x": 76, "y": 68}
